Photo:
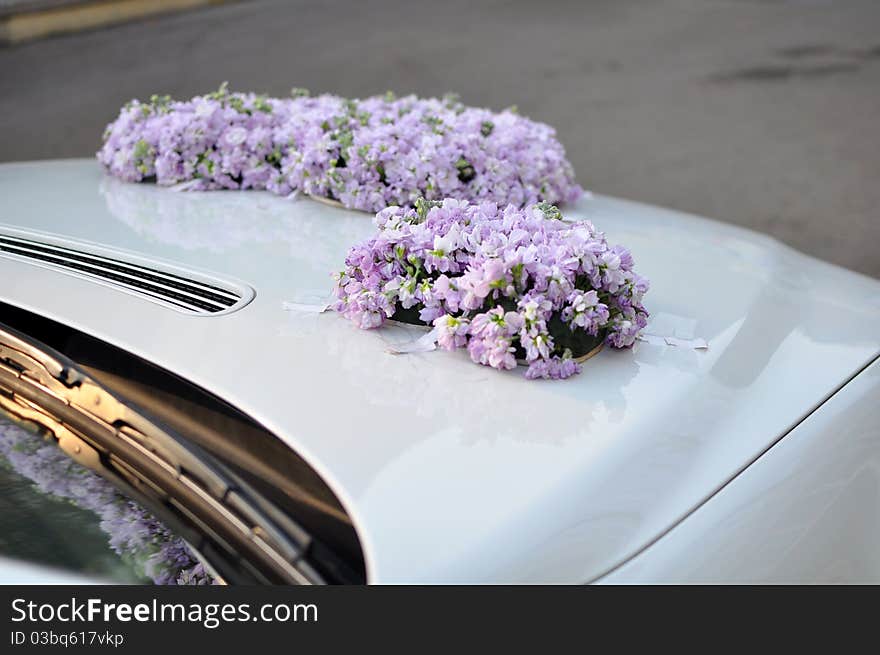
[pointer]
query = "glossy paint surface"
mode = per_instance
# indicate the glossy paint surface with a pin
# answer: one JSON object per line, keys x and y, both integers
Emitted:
{"x": 451, "y": 471}
{"x": 805, "y": 512}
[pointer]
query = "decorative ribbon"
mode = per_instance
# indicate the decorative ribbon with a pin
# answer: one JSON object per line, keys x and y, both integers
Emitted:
{"x": 425, "y": 343}
{"x": 657, "y": 340}
{"x": 319, "y": 307}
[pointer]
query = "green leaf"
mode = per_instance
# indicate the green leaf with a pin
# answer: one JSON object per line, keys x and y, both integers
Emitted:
{"x": 551, "y": 212}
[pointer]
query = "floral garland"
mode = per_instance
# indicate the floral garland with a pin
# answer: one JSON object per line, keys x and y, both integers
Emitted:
{"x": 367, "y": 154}
{"x": 135, "y": 535}
{"x": 506, "y": 284}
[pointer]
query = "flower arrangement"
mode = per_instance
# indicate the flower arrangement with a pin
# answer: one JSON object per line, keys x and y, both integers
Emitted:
{"x": 137, "y": 536}
{"x": 506, "y": 284}
{"x": 366, "y": 154}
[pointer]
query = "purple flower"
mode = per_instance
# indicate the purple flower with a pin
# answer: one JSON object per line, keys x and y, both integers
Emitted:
{"x": 553, "y": 369}
{"x": 451, "y": 331}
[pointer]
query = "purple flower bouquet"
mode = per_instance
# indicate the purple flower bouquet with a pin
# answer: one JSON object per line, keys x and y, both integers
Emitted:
{"x": 507, "y": 284}
{"x": 366, "y": 154}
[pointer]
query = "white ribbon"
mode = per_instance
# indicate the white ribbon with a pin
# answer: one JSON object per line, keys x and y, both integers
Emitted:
{"x": 657, "y": 340}
{"x": 425, "y": 343}
{"x": 673, "y": 330}
{"x": 309, "y": 303}
{"x": 184, "y": 186}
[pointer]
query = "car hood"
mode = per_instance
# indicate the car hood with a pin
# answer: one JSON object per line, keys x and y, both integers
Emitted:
{"x": 451, "y": 471}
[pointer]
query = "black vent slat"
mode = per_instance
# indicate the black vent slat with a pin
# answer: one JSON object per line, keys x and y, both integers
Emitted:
{"x": 187, "y": 294}
{"x": 111, "y": 276}
{"x": 165, "y": 278}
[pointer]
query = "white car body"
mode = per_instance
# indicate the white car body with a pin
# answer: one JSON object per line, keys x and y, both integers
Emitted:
{"x": 756, "y": 460}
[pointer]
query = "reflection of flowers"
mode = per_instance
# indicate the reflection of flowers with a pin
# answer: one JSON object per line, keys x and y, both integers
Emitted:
{"x": 193, "y": 221}
{"x": 449, "y": 386}
{"x": 366, "y": 153}
{"x": 134, "y": 534}
{"x": 230, "y": 221}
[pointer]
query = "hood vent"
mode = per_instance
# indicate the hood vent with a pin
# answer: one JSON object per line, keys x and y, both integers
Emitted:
{"x": 186, "y": 293}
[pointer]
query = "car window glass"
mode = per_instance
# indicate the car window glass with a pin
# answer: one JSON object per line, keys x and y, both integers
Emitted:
{"x": 55, "y": 512}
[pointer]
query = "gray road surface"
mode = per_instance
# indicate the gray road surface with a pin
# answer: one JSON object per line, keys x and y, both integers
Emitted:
{"x": 764, "y": 113}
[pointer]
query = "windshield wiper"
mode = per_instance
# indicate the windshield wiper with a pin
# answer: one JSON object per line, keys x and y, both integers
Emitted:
{"x": 243, "y": 536}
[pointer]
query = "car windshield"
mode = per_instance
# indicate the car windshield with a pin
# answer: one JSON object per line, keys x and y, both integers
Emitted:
{"x": 55, "y": 512}
{"x": 155, "y": 463}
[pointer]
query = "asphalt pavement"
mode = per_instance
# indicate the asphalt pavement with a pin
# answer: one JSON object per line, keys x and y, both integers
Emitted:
{"x": 763, "y": 113}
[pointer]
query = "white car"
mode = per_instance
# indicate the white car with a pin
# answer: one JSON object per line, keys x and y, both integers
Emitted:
{"x": 174, "y": 343}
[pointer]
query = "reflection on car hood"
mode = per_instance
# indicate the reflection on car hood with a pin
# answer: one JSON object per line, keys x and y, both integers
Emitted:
{"x": 451, "y": 471}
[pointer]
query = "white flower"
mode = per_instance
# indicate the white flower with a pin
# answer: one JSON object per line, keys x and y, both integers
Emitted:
{"x": 443, "y": 245}
{"x": 235, "y": 136}
{"x": 120, "y": 159}
{"x": 204, "y": 109}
